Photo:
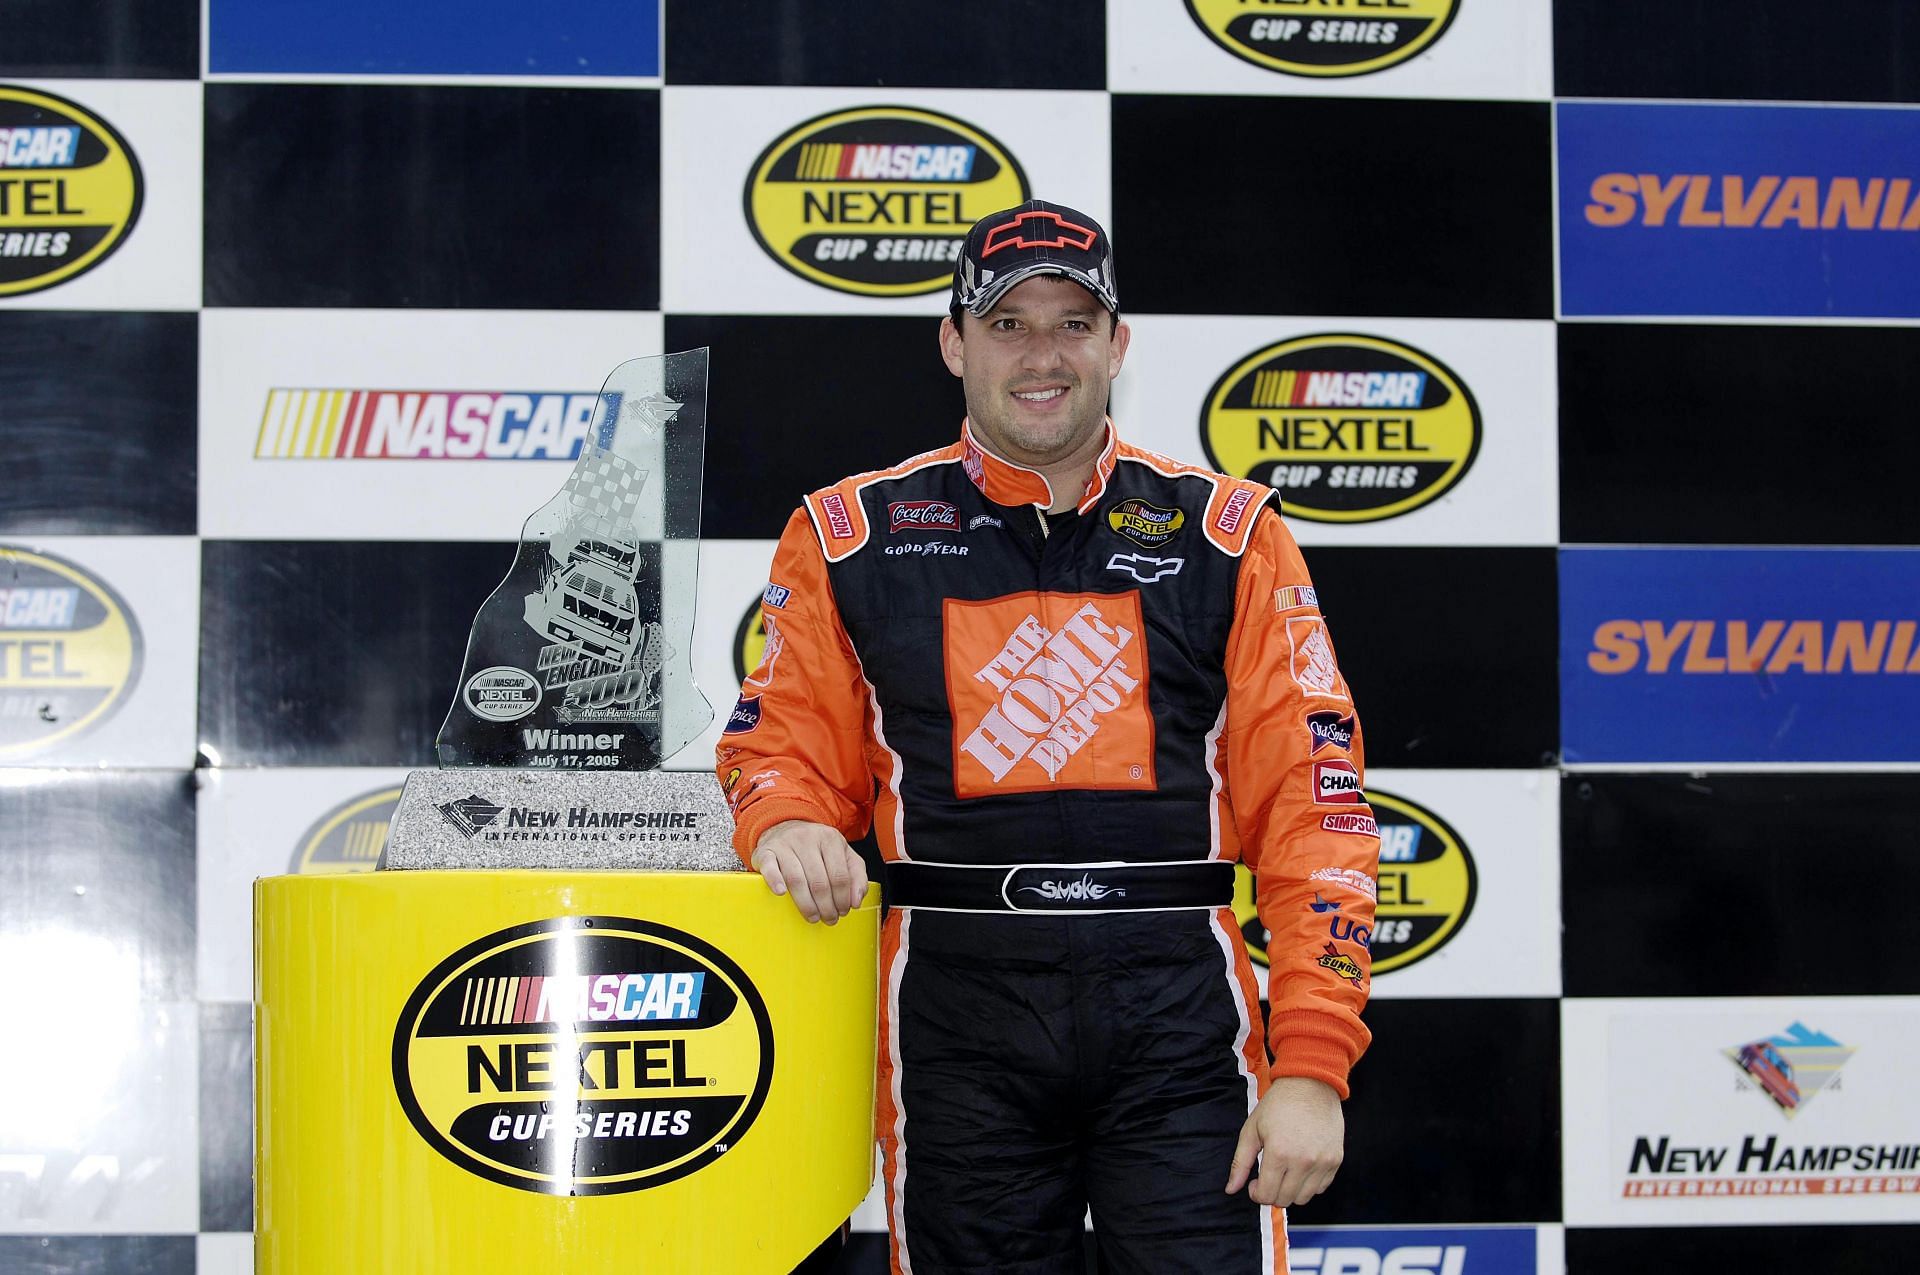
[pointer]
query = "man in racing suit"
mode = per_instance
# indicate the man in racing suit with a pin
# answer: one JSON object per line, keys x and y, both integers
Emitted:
{"x": 1070, "y": 682}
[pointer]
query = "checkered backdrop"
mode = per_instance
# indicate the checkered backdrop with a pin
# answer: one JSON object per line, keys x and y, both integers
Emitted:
{"x": 300, "y": 309}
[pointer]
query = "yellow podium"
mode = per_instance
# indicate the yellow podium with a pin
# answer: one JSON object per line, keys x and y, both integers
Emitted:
{"x": 532, "y": 1070}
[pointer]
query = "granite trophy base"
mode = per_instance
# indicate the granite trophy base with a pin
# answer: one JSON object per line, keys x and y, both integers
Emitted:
{"x": 657, "y": 820}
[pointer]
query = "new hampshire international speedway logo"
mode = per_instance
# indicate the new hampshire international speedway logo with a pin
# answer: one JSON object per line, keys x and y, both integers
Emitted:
{"x": 1324, "y": 38}
{"x": 876, "y": 200}
{"x": 1426, "y": 885}
{"x": 70, "y": 652}
{"x": 584, "y": 1055}
{"x": 1348, "y": 428}
{"x": 70, "y": 190}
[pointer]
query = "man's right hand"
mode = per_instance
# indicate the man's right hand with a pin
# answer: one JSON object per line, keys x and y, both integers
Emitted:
{"x": 814, "y": 864}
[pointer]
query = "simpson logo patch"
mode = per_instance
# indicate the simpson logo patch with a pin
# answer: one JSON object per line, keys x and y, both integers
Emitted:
{"x": 839, "y": 525}
{"x": 1336, "y": 783}
{"x": 1233, "y": 511}
{"x": 1332, "y": 38}
{"x": 1314, "y": 667}
{"x": 877, "y": 200}
{"x": 1354, "y": 825}
{"x": 1347, "y": 428}
{"x": 1033, "y": 677}
{"x": 922, "y": 515}
{"x": 70, "y": 190}
{"x": 584, "y": 1056}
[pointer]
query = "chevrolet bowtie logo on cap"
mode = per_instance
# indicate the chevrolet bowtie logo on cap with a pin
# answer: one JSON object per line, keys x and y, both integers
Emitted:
{"x": 1037, "y": 229}
{"x": 1006, "y": 247}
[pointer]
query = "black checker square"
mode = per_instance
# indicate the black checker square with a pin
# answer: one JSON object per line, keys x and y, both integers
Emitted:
{"x": 99, "y": 416}
{"x": 1289, "y": 205}
{"x": 804, "y": 401}
{"x": 399, "y": 195}
{"x": 1722, "y": 884}
{"x": 335, "y": 653}
{"x": 989, "y": 44}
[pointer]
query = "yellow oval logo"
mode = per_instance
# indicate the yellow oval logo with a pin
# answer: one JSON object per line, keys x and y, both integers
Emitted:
{"x": 749, "y": 641}
{"x": 1427, "y": 887}
{"x": 584, "y": 1055}
{"x": 1347, "y": 428}
{"x": 348, "y": 838}
{"x": 70, "y": 652}
{"x": 877, "y": 200}
{"x": 1327, "y": 39}
{"x": 70, "y": 190}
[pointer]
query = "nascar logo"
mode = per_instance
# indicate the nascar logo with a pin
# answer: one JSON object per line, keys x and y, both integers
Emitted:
{"x": 832, "y": 161}
{"x": 310, "y": 424}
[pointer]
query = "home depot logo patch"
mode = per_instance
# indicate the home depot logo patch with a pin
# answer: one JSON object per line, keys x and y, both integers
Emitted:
{"x": 1033, "y": 677}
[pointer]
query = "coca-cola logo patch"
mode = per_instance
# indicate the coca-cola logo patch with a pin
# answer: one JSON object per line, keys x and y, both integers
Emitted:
{"x": 922, "y": 515}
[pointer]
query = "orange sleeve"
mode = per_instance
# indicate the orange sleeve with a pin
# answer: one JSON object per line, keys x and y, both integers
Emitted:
{"x": 795, "y": 745}
{"x": 1294, "y": 777}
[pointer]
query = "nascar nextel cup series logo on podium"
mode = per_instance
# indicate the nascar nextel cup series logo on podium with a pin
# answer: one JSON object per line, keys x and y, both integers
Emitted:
{"x": 70, "y": 190}
{"x": 584, "y": 1055}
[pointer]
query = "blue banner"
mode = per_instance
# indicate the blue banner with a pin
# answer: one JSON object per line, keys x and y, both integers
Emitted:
{"x": 1740, "y": 655}
{"x": 1445, "y": 1250}
{"x": 434, "y": 37}
{"x": 1701, "y": 210}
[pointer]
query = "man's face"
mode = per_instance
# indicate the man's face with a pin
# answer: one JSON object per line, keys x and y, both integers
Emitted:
{"x": 1037, "y": 368}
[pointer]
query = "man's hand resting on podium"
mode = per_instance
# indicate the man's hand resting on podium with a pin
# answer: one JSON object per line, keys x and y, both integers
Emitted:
{"x": 814, "y": 864}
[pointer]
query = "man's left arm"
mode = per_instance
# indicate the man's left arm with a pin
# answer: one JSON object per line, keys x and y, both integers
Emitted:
{"x": 1295, "y": 772}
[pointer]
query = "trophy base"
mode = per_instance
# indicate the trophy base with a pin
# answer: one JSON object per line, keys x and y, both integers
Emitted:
{"x": 654, "y": 820}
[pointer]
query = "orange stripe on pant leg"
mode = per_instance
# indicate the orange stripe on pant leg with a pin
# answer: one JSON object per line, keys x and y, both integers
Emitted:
{"x": 889, "y": 1126}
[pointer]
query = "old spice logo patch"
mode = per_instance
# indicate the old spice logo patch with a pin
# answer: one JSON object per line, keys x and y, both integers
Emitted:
{"x": 1049, "y": 690}
{"x": 1314, "y": 667}
{"x": 839, "y": 525}
{"x": 922, "y": 515}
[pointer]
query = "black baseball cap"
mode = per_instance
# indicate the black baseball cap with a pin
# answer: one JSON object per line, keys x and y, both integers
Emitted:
{"x": 1036, "y": 238}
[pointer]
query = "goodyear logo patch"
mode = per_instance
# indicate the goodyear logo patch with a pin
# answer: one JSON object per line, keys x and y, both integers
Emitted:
{"x": 70, "y": 652}
{"x": 429, "y": 424}
{"x": 1427, "y": 883}
{"x": 1349, "y": 428}
{"x": 349, "y": 837}
{"x": 584, "y": 1055}
{"x": 1324, "y": 38}
{"x": 70, "y": 190}
{"x": 877, "y": 200}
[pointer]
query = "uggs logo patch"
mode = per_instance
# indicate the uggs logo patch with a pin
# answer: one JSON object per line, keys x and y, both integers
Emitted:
{"x": 1348, "y": 428}
{"x": 1324, "y": 38}
{"x": 584, "y": 1055}
{"x": 1048, "y": 691}
{"x": 876, "y": 201}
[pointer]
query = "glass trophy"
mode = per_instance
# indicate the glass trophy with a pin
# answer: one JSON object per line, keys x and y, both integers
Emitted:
{"x": 581, "y": 658}
{"x": 578, "y": 680}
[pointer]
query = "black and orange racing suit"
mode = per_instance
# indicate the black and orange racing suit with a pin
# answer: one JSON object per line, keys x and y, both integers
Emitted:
{"x": 1145, "y": 679}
